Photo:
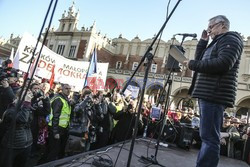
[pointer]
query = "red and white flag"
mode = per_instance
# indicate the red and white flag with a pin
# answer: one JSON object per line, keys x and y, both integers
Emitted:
{"x": 52, "y": 77}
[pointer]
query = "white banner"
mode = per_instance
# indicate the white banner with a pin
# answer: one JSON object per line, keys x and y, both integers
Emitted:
{"x": 66, "y": 70}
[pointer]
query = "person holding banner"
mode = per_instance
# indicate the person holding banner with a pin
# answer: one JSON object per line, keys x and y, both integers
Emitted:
{"x": 214, "y": 83}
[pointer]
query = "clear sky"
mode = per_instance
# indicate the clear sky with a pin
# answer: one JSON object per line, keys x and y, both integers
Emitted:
{"x": 127, "y": 17}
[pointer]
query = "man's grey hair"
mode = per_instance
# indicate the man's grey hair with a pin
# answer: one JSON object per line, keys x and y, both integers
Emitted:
{"x": 65, "y": 85}
{"x": 221, "y": 18}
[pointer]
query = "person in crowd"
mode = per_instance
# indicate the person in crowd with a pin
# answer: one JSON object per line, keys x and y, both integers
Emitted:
{"x": 16, "y": 143}
{"x": 229, "y": 135}
{"x": 20, "y": 81}
{"x": 40, "y": 109}
{"x": 214, "y": 83}
{"x": 79, "y": 125}
{"x": 13, "y": 80}
{"x": 126, "y": 120}
{"x": 186, "y": 118}
{"x": 95, "y": 119}
{"x": 118, "y": 101}
{"x": 195, "y": 121}
{"x": 108, "y": 109}
{"x": 8, "y": 88}
{"x": 246, "y": 150}
{"x": 59, "y": 123}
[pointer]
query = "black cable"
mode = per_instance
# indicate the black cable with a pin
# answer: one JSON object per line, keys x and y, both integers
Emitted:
{"x": 108, "y": 157}
{"x": 85, "y": 161}
{"x": 133, "y": 152}
{"x": 158, "y": 123}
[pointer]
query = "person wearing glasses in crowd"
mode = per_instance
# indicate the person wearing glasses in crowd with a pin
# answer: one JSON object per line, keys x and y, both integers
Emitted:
{"x": 214, "y": 83}
{"x": 59, "y": 123}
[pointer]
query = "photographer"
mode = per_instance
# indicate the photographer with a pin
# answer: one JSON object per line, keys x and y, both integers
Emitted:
{"x": 79, "y": 125}
{"x": 106, "y": 123}
{"x": 41, "y": 108}
{"x": 96, "y": 117}
{"x": 6, "y": 93}
{"x": 17, "y": 138}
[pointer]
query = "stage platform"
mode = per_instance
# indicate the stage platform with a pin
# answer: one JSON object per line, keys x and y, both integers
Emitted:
{"x": 170, "y": 156}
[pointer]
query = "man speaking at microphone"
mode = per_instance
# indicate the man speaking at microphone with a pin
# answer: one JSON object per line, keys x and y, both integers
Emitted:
{"x": 214, "y": 83}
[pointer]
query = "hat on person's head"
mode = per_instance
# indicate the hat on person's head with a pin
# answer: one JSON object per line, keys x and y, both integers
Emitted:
{"x": 226, "y": 115}
{"x": 13, "y": 73}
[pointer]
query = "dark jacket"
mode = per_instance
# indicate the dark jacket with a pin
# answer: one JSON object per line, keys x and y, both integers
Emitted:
{"x": 109, "y": 110}
{"x": 123, "y": 130}
{"x": 234, "y": 136}
{"x": 40, "y": 108}
{"x": 216, "y": 69}
{"x": 6, "y": 97}
{"x": 23, "y": 136}
{"x": 80, "y": 117}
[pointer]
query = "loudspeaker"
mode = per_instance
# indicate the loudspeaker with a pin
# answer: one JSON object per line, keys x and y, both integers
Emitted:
{"x": 172, "y": 63}
{"x": 186, "y": 137}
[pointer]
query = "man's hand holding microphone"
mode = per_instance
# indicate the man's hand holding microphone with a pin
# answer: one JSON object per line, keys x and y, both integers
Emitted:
{"x": 205, "y": 37}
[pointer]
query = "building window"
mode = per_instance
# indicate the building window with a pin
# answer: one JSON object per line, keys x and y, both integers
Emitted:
{"x": 247, "y": 67}
{"x": 135, "y": 65}
{"x": 118, "y": 65}
{"x": 69, "y": 27}
{"x": 60, "y": 49}
{"x": 50, "y": 47}
{"x": 153, "y": 68}
{"x": 63, "y": 27}
{"x": 72, "y": 51}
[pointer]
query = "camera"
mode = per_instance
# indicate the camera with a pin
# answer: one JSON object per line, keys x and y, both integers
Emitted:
{"x": 38, "y": 94}
{"x": 3, "y": 75}
{"x": 6, "y": 71}
{"x": 92, "y": 134}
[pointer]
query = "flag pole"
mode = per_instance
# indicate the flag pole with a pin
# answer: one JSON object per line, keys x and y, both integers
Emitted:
{"x": 86, "y": 77}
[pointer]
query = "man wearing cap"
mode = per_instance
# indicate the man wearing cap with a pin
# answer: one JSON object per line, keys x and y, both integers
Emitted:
{"x": 229, "y": 135}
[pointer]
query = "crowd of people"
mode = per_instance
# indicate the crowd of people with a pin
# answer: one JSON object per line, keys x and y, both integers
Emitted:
{"x": 54, "y": 123}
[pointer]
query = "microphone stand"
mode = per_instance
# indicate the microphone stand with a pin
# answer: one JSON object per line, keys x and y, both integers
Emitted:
{"x": 24, "y": 91}
{"x": 149, "y": 57}
{"x": 153, "y": 159}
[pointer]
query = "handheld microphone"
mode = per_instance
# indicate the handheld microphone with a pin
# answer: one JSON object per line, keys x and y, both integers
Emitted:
{"x": 188, "y": 35}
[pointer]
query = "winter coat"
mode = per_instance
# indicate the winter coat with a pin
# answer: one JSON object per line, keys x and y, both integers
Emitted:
{"x": 216, "y": 69}
{"x": 22, "y": 134}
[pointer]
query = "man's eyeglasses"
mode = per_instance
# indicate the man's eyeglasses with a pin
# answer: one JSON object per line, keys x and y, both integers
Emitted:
{"x": 212, "y": 26}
